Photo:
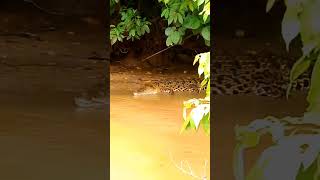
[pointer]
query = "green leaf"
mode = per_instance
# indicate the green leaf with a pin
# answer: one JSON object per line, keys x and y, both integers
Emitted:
{"x": 205, "y": 32}
{"x": 175, "y": 36}
{"x": 290, "y": 25}
{"x": 183, "y": 6}
{"x": 123, "y": 16}
{"x": 205, "y": 122}
{"x": 169, "y": 30}
{"x": 132, "y": 32}
{"x": 310, "y": 27}
{"x": 207, "y": 43}
{"x": 113, "y": 40}
{"x": 165, "y": 13}
{"x": 192, "y": 124}
{"x": 250, "y": 139}
{"x": 314, "y": 92}
{"x": 168, "y": 41}
{"x": 185, "y": 124}
{"x": 182, "y": 31}
{"x": 138, "y": 22}
{"x": 270, "y": 4}
{"x": 197, "y": 115}
{"x": 170, "y": 20}
{"x": 120, "y": 38}
{"x": 206, "y": 19}
{"x": 200, "y": 69}
{"x": 196, "y": 59}
{"x": 205, "y": 62}
{"x": 191, "y": 7}
{"x": 298, "y": 68}
{"x": 208, "y": 90}
{"x": 192, "y": 22}
{"x": 310, "y": 172}
{"x": 146, "y": 27}
{"x": 200, "y": 2}
{"x": 180, "y": 19}
{"x": 175, "y": 17}
{"x": 206, "y": 11}
{"x": 204, "y": 82}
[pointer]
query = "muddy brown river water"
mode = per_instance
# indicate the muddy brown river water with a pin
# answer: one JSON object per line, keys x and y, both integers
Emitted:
{"x": 145, "y": 139}
{"x": 43, "y": 136}
{"x": 145, "y": 130}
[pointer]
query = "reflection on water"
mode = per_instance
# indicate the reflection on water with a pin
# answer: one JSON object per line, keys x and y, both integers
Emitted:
{"x": 143, "y": 133}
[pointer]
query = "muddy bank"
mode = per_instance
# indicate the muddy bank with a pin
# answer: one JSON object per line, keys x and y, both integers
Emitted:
{"x": 130, "y": 78}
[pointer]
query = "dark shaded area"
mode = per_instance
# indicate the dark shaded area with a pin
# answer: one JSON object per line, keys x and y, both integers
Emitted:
{"x": 262, "y": 31}
{"x": 66, "y": 7}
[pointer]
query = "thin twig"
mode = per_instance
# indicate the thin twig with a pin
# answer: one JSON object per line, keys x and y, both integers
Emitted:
{"x": 164, "y": 49}
{"x": 190, "y": 172}
{"x": 156, "y": 53}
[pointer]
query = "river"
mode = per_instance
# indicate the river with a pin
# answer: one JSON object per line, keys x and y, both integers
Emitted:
{"x": 43, "y": 136}
{"x": 145, "y": 140}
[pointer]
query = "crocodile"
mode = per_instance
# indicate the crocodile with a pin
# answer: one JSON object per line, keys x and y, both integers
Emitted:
{"x": 261, "y": 76}
{"x": 85, "y": 101}
{"x": 170, "y": 86}
{"x": 231, "y": 75}
{"x": 95, "y": 97}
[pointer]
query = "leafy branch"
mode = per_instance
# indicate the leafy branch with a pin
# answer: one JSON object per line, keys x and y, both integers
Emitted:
{"x": 132, "y": 26}
{"x": 184, "y": 16}
{"x": 197, "y": 111}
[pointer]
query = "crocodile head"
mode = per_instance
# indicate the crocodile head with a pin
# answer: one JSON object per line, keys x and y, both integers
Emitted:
{"x": 147, "y": 90}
